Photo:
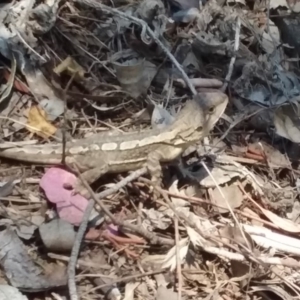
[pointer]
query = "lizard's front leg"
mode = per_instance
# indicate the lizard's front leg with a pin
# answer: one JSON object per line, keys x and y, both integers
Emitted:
{"x": 91, "y": 169}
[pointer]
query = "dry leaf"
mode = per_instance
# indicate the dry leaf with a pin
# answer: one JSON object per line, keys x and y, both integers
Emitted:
{"x": 161, "y": 118}
{"x": 274, "y": 242}
{"x": 195, "y": 237}
{"x": 16, "y": 262}
{"x": 277, "y": 290}
{"x": 221, "y": 173}
{"x": 232, "y": 194}
{"x": 8, "y": 292}
{"x": 134, "y": 74}
{"x": 270, "y": 39}
{"x": 225, "y": 169}
{"x": 156, "y": 219}
{"x": 186, "y": 16}
{"x": 50, "y": 101}
{"x": 284, "y": 224}
{"x": 57, "y": 235}
{"x": 37, "y": 123}
{"x": 18, "y": 84}
{"x": 277, "y": 3}
{"x": 163, "y": 293}
{"x": 129, "y": 290}
{"x": 148, "y": 10}
{"x": 6, "y": 91}
{"x": 287, "y": 122}
{"x": 178, "y": 202}
{"x": 72, "y": 67}
{"x": 240, "y": 269}
{"x": 170, "y": 259}
{"x": 274, "y": 156}
{"x": 235, "y": 236}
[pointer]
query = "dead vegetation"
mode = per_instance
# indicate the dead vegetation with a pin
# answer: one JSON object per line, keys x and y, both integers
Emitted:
{"x": 225, "y": 222}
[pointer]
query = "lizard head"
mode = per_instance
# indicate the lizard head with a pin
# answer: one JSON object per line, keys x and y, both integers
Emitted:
{"x": 199, "y": 116}
{"x": 212, "y": 106}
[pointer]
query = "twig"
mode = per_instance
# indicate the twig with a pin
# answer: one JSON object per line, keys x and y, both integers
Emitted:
{"x": 142, "y": 23}
{"x": 228, "y": 206}
{"x": 86, "y": 52}
{"x": 125, "y": 224}
{"x": 127, "y": 278}
{"x": 64, "y": 129}
{"x": 236, "y": 122}
{"x": 57, "y": 297}
{"x": 233, "y": 58}
{"x": 28, "y": 126}
{"x": 96, "y": 198}
{"x": 178, "y": 262}
{"x": 83, "y": 225}
{"x": 26, "y": 44}
{"x": 268, "y": 23}
{"x": 212, "y": 238}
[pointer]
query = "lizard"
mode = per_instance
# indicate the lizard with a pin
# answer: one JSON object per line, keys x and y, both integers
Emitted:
{"x": 114, "y": 152}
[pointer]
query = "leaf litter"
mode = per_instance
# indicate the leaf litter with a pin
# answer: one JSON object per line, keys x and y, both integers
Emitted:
{"x": 227, "y": 214}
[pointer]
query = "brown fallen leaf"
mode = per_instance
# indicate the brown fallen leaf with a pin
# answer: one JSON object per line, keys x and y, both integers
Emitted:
{"x": 274, "y": 156}
{"x": 22, "y": 271}
{"x": 286, "y": 121}
{"x": 233, "y": 195}
{"x": 18, "y": 84}
{"x": 37, "y": 123}
{"x": 280, "y": 222}
{"x": 57, "y": 235}
{"x": 233, "y": 235}
{"x": 164, "y": 293}
{"x": 9, "y": 292}
{"x": 134, "y": 74}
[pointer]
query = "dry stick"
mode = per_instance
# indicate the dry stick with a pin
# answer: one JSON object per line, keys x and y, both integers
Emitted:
{"x": 96, "y": 198}
{"x": 178, "y": 262}
{"x": 142, "y": 23}
{"x": 64, "y": 141}
{"x": 198, "y": 230}
{"x": 83, "y": 226}
{"x": 127, "y": 278}
{"x": 228, "y": 206}
{"x": 126, "y": 224}
{"x": 236, "y": 48}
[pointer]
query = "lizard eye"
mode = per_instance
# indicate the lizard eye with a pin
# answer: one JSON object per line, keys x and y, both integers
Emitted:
{"x": 211, "y": 110}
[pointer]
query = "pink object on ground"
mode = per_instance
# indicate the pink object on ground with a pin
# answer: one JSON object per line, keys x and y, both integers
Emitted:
{"x": 69, "y": 207}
